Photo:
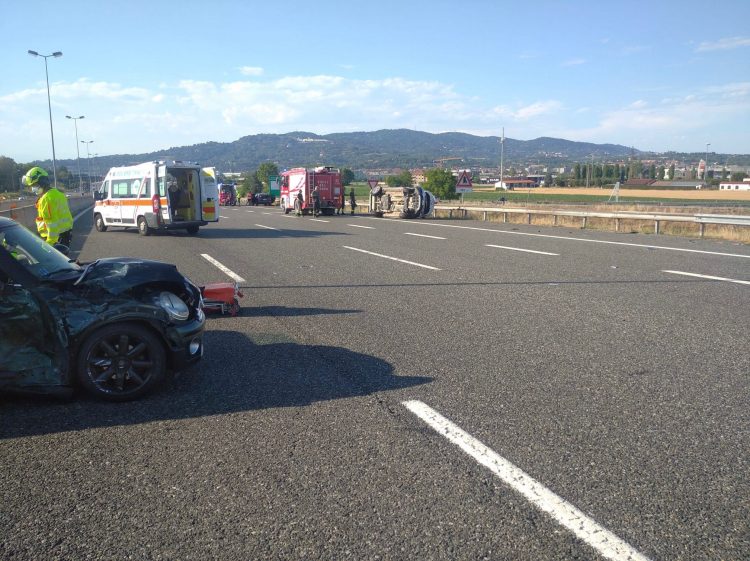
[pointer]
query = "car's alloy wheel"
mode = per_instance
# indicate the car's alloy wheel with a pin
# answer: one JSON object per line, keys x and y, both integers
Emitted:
{"x": 121, "y": 361}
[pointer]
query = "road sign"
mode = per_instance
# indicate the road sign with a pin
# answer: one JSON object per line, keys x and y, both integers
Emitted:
{"x": 274, "y": 185}
{"x": 463, "y": 184}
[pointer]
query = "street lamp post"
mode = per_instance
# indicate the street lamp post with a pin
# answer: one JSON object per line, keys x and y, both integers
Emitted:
{"x": 88, "y": 158}
{"x": 56, "y": 54}
{"x": 705, "y": 169}
{"x": 78, "y": 152}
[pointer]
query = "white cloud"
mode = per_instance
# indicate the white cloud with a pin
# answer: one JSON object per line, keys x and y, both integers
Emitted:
{"x": 574, "y": 62}
{"x": 536, "y": 109}
{"x": 724, "y": 44}
{"x": 129, "y": 119}
{"x": 251, "y": 71}
{"x": 715, "y": 107}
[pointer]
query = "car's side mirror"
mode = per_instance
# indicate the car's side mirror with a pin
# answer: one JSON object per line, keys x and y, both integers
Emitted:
{"x": 98, "y": 195}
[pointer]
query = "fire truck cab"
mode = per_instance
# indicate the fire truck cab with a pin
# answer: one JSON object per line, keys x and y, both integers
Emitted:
{"x": 157, "y": 196}
{"x": 325, "y": 178}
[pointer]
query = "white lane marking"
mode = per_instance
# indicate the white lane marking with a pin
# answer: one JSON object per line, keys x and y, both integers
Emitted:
{"x": 579, "y": 239}
{"x": 319, "y": 220}
{"x": 270, "y": 213}
{"x": 393, "y": 258}
{"x": 266, "y": 227}
{"x": 249, "y": 211}
{"x": 584, "y": 527}
{"x": 226, "y": 270}
{"x": 358, "y": 226}
{"x": 519, "y": 249}
{"x": 423, "y": 236}
{"x": 707, "y": 277}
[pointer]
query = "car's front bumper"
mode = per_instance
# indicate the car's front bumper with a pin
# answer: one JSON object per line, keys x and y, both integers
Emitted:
{"x": 185, "y": 343}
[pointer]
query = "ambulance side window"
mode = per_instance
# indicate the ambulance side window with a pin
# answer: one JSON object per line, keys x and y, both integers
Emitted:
{"x": 146, "y": 190}
{"x": 162, "y": 187}
{"x": 120, "y": 188}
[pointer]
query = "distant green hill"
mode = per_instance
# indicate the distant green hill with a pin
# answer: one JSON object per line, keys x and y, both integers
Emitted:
{"x": 372, "y": 150}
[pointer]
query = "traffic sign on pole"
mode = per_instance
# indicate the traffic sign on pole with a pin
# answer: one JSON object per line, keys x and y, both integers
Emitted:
{"x": 463, "y": 184}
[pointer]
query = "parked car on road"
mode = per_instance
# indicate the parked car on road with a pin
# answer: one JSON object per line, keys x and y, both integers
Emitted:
{"x": 264, "y": 199}
{"x": 114, "y": 327}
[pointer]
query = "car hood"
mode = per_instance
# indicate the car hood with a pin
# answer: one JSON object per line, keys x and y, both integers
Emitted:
{"x": 119, "y": 275}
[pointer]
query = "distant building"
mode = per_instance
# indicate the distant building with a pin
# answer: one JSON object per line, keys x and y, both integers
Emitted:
{"x": 743, "y": 185}
{"x": 677, "y": 184}
{"x": 515, "y": 183}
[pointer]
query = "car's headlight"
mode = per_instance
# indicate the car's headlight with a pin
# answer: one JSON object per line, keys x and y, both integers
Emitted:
{"x": 174, "y": 306}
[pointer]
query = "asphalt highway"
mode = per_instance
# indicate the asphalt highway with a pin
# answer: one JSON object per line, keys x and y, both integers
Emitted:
{"x": 425, "y": 389}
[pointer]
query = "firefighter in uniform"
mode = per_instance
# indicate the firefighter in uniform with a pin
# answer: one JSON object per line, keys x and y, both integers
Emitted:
{"x": 54, "y": 221}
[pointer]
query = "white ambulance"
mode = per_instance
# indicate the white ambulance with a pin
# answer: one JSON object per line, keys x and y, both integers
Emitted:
{"x": 157, "y": 196}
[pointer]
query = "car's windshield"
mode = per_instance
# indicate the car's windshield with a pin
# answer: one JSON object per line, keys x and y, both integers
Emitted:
{"x": 37, "y": 256}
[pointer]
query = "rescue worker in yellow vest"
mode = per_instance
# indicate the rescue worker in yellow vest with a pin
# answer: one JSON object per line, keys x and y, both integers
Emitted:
{"x": 54, "y": 221}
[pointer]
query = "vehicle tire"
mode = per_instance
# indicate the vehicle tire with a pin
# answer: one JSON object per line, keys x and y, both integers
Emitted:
{"x": 99, "y": 223}
{"x": 143, "y": 228}
{"x": 121, "y": 361}
{"x": 193, "y": 230}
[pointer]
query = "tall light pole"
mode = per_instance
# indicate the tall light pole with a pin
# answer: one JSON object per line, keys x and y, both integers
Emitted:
{"x": 705, "y": 169}
{"x": 78, "y": 153}
{"x": 56, "y": 54}
{"x": 88, "y": 158}
{"x": 502, "y": 153}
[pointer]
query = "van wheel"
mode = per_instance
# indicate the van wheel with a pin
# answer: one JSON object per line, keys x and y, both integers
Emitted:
{"x": 99, "y": 223}
{"x": 143, "y": 227}
{"x": 192, "y": 230}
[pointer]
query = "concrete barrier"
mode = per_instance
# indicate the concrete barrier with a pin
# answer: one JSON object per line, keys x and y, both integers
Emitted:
{"x": 26, "y": 214}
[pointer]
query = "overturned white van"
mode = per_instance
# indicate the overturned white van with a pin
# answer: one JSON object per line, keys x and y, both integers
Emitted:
{"x": 157, "y": 196}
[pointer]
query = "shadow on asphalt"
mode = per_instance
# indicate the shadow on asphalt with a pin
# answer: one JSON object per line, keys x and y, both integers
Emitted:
{"x": 263, "y": 311}
{"x": 235, "y": 375}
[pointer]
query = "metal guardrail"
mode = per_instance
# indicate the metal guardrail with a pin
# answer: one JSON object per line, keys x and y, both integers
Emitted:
{"x": 657, "y": 219}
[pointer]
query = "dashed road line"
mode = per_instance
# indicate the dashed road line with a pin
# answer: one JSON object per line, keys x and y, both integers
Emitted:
{"x": 570, "y": 238}
{"x": 221, "y": 267}
{"x": 563, "y": 512}
{"x": 266, "y": 227}
{"x": 318, "y": 220}
{"x": 519, "y": 249}
{"x": 358, "y": 226}
{"x": 423, "y": 236}
{"x": 393, "y": 258}
{"x": 709, "y": 277}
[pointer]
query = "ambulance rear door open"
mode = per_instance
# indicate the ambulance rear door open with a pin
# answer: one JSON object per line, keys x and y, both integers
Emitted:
{"x": 209, "y": 195}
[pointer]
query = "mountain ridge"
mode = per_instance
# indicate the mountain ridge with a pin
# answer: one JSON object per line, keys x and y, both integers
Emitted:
{"x": 381, "y": 149}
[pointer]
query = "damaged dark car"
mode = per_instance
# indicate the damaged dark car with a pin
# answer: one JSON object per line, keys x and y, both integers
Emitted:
{"x": 115, "y": 327}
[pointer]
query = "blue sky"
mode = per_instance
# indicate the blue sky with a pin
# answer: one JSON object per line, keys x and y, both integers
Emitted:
{"x": 656, "y": 75}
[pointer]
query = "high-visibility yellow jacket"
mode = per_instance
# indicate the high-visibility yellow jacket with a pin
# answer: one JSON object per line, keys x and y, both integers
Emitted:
{"x": 53, "y": 215}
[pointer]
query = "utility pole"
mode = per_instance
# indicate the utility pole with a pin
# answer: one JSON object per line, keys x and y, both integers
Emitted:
{"x": 502, "y": 150}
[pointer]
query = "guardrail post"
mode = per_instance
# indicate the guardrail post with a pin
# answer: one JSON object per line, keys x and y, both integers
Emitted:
{"x": 528, "y": 218}
{"x": 583, "y": 226}
{"x": 703, "y": 228}
{"x": 484, "y": 216}
{"x": 505, "y": 217}
{"x": 617, "y": 224}
{"x": 554, "y": 221}
{"x": 656, "y": 226}
{"x": 450, "y": 213}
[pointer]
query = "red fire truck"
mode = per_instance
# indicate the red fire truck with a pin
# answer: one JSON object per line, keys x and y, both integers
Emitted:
{"x": 326, "y": 179}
